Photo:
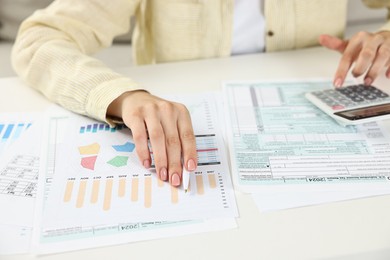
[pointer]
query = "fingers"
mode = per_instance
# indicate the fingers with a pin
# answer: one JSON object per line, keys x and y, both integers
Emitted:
{"x": 188, "y": 141}
{"x": 172, "y": 139}
{"x": 332, "y": 42}
{"x": 381, "y": 61}
{"x": 369, "y": 52}
{"x": 170, "y": 132}
{"x": 347, "y": 59}
{"x": 157, "y": 141}
{"x": 366, "y": 58}
{"x": 140, "y": 137}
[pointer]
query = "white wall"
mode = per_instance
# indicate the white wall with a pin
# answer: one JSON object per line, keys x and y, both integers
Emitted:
{"x": 358, "y": 13}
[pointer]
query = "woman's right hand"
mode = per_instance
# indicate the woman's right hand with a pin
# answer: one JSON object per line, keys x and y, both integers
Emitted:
{"x": 169, "y": 128}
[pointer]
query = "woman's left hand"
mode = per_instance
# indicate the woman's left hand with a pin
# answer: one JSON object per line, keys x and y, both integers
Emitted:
{"x": 369, "y": 51}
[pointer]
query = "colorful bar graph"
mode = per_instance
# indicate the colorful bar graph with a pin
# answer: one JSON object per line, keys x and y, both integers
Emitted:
{"x": 76, "y": 190}
{"x": 95, "y": 128}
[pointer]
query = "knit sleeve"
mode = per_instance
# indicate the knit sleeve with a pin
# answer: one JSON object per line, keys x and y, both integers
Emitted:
{"x": 51, "y": 53}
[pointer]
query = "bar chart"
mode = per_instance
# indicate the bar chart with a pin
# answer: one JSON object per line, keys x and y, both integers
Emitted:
{"x": 103, "y": 190}
{"x": 9, "y": 132}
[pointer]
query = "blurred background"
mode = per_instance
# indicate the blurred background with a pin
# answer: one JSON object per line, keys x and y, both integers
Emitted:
{"x": 13, "y": 12}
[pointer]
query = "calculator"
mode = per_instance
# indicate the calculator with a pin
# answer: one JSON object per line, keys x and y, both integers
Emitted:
{"x": 354, "y": 104}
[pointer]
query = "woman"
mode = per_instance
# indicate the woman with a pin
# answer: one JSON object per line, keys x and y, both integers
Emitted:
{"x": 52, "y": 48}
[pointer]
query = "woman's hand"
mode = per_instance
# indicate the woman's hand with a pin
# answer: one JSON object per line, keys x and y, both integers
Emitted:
{"x": 369, "y": 51}
{"x": 167, "y": 124}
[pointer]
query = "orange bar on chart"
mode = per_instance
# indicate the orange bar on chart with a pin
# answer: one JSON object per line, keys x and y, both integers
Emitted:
{"x": 122, "y": 187}
{"x": 174, "y": 194}
{"x": 134, "y": 189}
{"x": 68, "y": 191}
{"x": 148, "y": 192}
{"x": 160, "y": 183}
{"x": 212, "y": 181}
{"x": 95, "y": 191}
{"x": 199, "y": 184}
{"x": 81, "y": 194}
{"x": 107, "y": 195}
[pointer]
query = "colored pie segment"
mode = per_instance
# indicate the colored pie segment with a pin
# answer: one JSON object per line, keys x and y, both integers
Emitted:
{"x": 89, "y": 162}
{"x": 127, "y": 147}
{"x": 89, "y": 149}
{"x": 118, "y": 161}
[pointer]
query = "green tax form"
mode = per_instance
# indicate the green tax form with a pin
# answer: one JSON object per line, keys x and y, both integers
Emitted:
{"x": 277, "y": 137}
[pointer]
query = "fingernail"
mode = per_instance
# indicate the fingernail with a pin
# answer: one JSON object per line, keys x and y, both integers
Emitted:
{"x": 175, "y": 179}
{"x": 337, "y": 83}
{"x": 163, "y": 174}
{"x": 147, "y": 164}
{"x": 191, "y": 165}
{"x": 367, "y": 81}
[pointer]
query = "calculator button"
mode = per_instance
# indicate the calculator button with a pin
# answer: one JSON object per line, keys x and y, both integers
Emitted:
{"x": 337, "y": 107}
{"x": 357, "y": 99}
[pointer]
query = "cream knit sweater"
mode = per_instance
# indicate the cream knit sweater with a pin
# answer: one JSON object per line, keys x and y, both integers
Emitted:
{"x": 52, "y": 47}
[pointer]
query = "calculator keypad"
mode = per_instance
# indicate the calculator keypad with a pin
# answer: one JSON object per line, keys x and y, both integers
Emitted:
{"x": 351, "y": 96}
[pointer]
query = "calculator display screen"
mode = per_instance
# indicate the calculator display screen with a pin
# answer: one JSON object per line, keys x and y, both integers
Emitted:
{"x": 365, "y": 112}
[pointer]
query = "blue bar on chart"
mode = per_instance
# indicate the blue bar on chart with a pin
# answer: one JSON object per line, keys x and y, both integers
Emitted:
{"x": 18, "y": 131}
{"x": 8, "y": 132}
{"x": 94, "y": 128}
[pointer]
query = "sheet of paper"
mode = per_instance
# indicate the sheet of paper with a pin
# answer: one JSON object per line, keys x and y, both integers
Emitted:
{"x": 19, "y": 178}
{"x": 15, "y": 239}
{"x": 76, "y": 236}
{"x": 279, "y": 140}
{"x": 272, "y": 201}
{"x": 19, "y": 165}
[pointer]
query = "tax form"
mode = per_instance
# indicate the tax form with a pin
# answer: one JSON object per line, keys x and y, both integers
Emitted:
{"x": 279, "y": 141}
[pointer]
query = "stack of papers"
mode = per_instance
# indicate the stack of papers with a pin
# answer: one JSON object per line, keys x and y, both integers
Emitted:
{"x": 92, "y": 191}
{"x": 70, "y": 183}
{"x": 287, "y": 153}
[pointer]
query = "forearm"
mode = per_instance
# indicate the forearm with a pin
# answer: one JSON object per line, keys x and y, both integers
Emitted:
{"x": 51, "y": 55}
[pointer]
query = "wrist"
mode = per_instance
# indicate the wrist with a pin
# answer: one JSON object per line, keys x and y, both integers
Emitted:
{"x": 115, "y": 108}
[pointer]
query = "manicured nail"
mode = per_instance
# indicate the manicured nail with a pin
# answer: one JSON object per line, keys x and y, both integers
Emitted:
{"x": 147, "y": 164}
{"x": 175, "y": 179}
{"x": 163, "y": 174}
{"x": 191, "y": 165}
{"x": 337, "y": 83}
{"x": 367, "y": 81}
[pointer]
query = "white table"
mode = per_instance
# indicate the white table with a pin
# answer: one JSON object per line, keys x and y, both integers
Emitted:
{"x": 358, "y": 229}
